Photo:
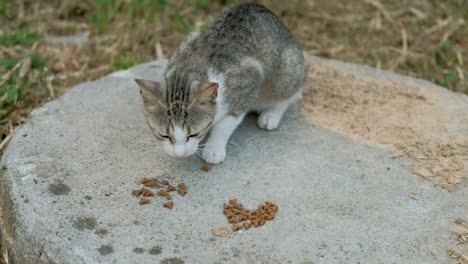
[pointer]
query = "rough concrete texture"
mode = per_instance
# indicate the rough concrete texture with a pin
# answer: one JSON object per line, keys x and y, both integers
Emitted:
{"x": 68, "y": 173}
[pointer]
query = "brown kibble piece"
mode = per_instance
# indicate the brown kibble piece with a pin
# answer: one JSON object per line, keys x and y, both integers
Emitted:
{"x": 136, "y": 192}
{"x": 230, "y": 214}
{"x": 145, "y": 180}
{"x": 168, "y": 196}
{"x": 269, "y": 217}
{"x": 236, "y": 227}
{"x": 206, "y": 167}
{"x": 161, "y": 192}
{"x": 145, "y": 192}
{"x": 144, "y": 201}
{"x": 274, "y": 208}
{"x": 233, "y": 220}
{"x": 262, "y": 221}
{"x": 255, "y": 222}
{"x": 181, "y": 191}
{"x": 246, "y": 225}
{"x": 170, "y": 188}
{"x": 242, "y": 218}
{"x": 233, "y": 202}
{"x": 261, "y": 207}
{"x": 150, "y": 183}
{"x": 181, "y": 186}
{"x": 168, "y": 204}
{"x": 227, "y": 206}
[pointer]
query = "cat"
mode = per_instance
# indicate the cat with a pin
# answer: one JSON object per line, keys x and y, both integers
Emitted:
{"x": 246, "y": 60}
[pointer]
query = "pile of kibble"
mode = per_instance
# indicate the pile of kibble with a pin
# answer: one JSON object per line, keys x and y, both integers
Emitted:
{"x": 241, "y": 217}
{"x": 164, "y": 189}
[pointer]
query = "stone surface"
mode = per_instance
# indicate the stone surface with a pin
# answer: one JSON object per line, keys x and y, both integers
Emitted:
{"x": 68, "y": 173}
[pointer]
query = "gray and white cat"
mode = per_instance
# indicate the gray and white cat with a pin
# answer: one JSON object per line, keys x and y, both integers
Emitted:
{"x": 247, "y": 60}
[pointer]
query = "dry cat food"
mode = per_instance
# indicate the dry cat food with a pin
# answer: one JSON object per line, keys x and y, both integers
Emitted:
{"x": 182, "y": 192}
{"x": 243, "y": 218}
{"x": 143, "y": 191}
{"x": 162, "y": 192}
{"x": 246, "y": 225}
{"x": 206, "y": 167}
{"x": 168, "y": 204}
{"x": 236, "y": 227}
{"x": 164, "y": 187}
{"x": 182, "y": 189}
{"x": 144, "y": 201}
{"x": 170, "y": 188}
{"x": 152, "y": 182}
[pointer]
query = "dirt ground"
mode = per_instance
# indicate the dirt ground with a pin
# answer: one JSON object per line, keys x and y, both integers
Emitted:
{"x": 413, "y": 122}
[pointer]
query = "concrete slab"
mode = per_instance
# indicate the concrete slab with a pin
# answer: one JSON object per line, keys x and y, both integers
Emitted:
{"x": 67, "y": 176}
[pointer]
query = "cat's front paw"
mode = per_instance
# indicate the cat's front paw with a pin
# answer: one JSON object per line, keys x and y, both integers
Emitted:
{"x": 214, "y": 154}
{"x": 269, "y": 120}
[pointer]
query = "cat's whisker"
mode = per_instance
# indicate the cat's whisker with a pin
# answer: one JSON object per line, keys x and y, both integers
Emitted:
{"x": 230, "y": 144}
{"x": 149, "y": 149}
{"x": 153, "y": 151}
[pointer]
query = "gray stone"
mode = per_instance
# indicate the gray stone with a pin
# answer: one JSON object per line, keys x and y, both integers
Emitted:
{"x": 65, "y": 190}
{"x": 80, "y": 38}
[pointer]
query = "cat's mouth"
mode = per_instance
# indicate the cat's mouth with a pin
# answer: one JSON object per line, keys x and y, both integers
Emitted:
{"x": 180, "y": 150}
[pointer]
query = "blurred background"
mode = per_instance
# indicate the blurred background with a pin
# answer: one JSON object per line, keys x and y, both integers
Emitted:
{"x": 48, "y": 46}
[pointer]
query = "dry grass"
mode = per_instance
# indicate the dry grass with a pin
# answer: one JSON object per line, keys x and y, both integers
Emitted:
{"x": 423, "y": 38}
{"x": 459, "y": 251}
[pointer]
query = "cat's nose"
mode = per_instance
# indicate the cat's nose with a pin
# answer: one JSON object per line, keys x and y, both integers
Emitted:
{"x": 179, "y": 150}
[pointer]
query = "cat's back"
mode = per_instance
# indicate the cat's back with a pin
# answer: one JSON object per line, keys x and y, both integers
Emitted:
{"x": 247, "y": 28}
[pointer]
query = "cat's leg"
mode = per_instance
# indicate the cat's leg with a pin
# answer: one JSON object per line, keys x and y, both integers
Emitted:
{"x": 290, "y": 79}
{"x": 270, "y": 118}
{"x": 215, "y": 147}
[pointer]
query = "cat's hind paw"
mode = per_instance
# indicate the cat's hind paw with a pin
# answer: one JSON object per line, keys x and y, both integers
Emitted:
{"x": 213, "y": 154}
{"x": 269, "y": 120}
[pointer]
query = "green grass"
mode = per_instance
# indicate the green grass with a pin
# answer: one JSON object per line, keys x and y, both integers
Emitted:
{"x": 8, "y": 63}
{"x": 122, "y": 64}
{"x": 7, "y": 10}
{"x": 18, "y": 37}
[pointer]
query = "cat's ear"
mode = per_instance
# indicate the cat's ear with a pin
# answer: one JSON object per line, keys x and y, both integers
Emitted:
{"x": 207, "y": 92}
{"x": 150, "y": 90}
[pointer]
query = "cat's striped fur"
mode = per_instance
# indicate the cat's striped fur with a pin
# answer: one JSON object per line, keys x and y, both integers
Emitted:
{"x": 245, "y": 61}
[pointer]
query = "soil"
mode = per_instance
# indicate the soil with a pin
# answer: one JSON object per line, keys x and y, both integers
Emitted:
{"x": 410, "y": 120}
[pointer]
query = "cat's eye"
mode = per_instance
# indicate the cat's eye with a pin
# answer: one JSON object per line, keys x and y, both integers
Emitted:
{"x": 163, "y": 136}
{"x": 192, "y": 136}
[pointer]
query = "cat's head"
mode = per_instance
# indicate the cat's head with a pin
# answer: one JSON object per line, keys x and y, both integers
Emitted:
{"x": 179, "y": 118}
